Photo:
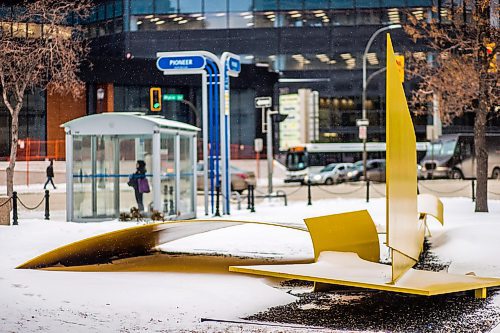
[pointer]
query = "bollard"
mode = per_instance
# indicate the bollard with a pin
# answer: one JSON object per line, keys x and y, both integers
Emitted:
{"x": 249, "y": 199}
{"x": 217, "y": 191}
{"x": 309, "y": 203}
{"x": 14, "y": 208}
{"x": 47, "y": 205}
{"x": 252, "y": 209}
{"x": 473, "y": 191}
{"x": 367, "y": 190}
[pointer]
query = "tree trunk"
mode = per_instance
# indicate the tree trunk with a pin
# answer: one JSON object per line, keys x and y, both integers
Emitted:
{"x": 13, "y": 150}
{"x": 481, "y": 158}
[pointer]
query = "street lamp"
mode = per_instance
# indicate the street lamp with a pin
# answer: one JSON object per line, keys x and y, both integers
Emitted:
{"x": 363, "y": 98}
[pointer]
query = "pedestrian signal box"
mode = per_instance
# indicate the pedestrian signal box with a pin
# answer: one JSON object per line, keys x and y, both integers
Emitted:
{"x": 155, "y": 99}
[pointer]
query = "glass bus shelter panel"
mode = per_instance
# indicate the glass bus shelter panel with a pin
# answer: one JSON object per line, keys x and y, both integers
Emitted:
{"x": 131, "y": 150}
{"x": 82, "y": 180}
{"x": 105, "y": 178}
{"x": 187, "y": 175}
{"x": 167, "y": 167}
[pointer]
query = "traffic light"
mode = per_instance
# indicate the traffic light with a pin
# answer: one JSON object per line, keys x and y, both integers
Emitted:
{"x": 493, "y": 63}
{"x": 155, "y": 99}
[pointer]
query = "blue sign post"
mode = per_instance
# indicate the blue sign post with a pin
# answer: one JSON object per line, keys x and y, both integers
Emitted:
{"x": 232, "y": 67}
{"x": 215, "y": 111}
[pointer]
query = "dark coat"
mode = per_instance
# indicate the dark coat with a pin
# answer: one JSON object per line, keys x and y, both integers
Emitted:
{"x": 50, "y": 171}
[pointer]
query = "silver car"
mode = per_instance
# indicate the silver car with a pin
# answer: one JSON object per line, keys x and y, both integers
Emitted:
{"x": 331, "y": 174}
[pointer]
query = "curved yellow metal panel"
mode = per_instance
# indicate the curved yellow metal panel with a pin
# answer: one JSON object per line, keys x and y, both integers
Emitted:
{"x": 130, "y": 242}
{"x": 429, "y": 204}
{"x": 404, "y": 232}
{"x": 345, "y": 232}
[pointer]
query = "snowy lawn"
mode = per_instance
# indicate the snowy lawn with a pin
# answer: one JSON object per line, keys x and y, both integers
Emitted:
{"x": 164, "y": 301}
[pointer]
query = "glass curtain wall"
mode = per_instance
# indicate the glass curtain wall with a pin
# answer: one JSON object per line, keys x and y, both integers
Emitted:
{"x": 237, "y": 14}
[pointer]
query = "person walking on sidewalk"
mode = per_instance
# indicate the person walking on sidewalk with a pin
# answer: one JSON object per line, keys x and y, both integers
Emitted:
{"x": 50, "y": 175}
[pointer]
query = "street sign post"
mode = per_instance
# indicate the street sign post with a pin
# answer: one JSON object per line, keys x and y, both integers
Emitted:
{"x": 263, "y": 102}
{"x": 362, "y": 122}
{"x": 362, "y": 132}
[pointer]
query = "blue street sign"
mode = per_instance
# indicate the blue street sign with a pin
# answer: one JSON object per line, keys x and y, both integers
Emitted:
{"x": 234, "y": 65}
{"x": 180, "y": 62}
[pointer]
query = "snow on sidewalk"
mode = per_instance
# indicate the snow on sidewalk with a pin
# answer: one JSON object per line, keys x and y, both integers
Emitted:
{"x": 137, "y": 301}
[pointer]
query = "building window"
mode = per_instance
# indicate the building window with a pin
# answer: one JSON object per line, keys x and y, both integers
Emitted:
{"x": 240, "y": 5}
{"x": 263, "y": 5}
{"x": 141, "y": 6}
{"x": 190, "y": 6}
{"x": 241, "y": 19}
{"x": 166, "y": 6}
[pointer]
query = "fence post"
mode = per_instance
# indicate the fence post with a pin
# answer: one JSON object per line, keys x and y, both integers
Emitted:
{"x": 249, "y": 197}
{"x": 309, "y": 203}
{"x": 252, "y": 209}
{"x": 473, "y": 191}
{"x": 367, "y": 190}
{"x": 47, "y": 205}
{"x": 217, "y": 190}
{"x": 14, "y": 208}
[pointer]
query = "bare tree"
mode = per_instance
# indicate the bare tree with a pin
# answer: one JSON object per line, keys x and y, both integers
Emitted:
{"x": 463, "y": 76}
{"x": 42, "y": 48}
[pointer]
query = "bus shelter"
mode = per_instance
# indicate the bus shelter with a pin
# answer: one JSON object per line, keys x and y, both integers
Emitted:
{"x": 101, "y": 154}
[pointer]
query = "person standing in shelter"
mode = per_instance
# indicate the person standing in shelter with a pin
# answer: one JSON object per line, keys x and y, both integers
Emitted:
{"x": 135, "y": 181}
{"x": 50, "y": 175}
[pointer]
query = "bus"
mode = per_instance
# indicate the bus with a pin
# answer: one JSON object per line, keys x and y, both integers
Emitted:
{"x": 310, "y": 158}
{"x": 454, "y": 156}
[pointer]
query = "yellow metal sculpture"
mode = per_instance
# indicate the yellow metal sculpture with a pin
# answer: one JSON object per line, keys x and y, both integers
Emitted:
{"x": 406, "y": 221}
{"x": 346, "y": 246}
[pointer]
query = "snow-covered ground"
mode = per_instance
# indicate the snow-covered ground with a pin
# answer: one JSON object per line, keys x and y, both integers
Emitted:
{"x": 167, "y": 301}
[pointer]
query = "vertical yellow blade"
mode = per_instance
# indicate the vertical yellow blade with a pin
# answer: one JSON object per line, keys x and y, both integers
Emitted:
{"x": 404, "y": 234}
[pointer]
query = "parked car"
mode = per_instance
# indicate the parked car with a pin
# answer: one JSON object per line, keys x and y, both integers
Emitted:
{"x": 356, "y": 172}
{"x": 240, "y": 179}
{"x": 331, "y": 174}
{"x": 376, "y": 172}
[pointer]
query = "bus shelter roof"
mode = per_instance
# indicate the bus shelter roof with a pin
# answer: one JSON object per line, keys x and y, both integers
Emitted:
{"x": 124, "y": 123}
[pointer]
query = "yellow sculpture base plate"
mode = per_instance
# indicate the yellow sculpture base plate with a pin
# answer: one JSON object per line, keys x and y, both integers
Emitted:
{"x": 347, "y": 269}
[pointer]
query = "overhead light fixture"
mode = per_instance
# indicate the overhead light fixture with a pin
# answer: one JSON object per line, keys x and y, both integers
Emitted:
{"x": 320, "y": 14}
{"x": 160, "y": 22}
{"x": 249, "y": 24}
{"x": 172, "y": 16}
{"x": 346, "y": 56}
{"x": 245, "y": 14}
{"x": 177, "y": 19}
{"x": 296, "y": 15}
{"x": 148, "y": 16}
{"x": 220, "y": 14}
{"x": 250, "y": 56}
{"x": 154, "y": 19}
{"x": 139, "y": 22}
{"x": 195, "y": 15}
{"x": 248, "y": 17}
{"x": 201, "y": 18}
{"x": 183, "y": 21}
{"x": 268, "y": 13}
{"x": 293, "y": 12}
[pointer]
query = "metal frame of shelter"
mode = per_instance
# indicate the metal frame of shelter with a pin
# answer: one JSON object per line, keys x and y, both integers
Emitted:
{"x": 215, "y": 75}
{"x": 127, "y": 124}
